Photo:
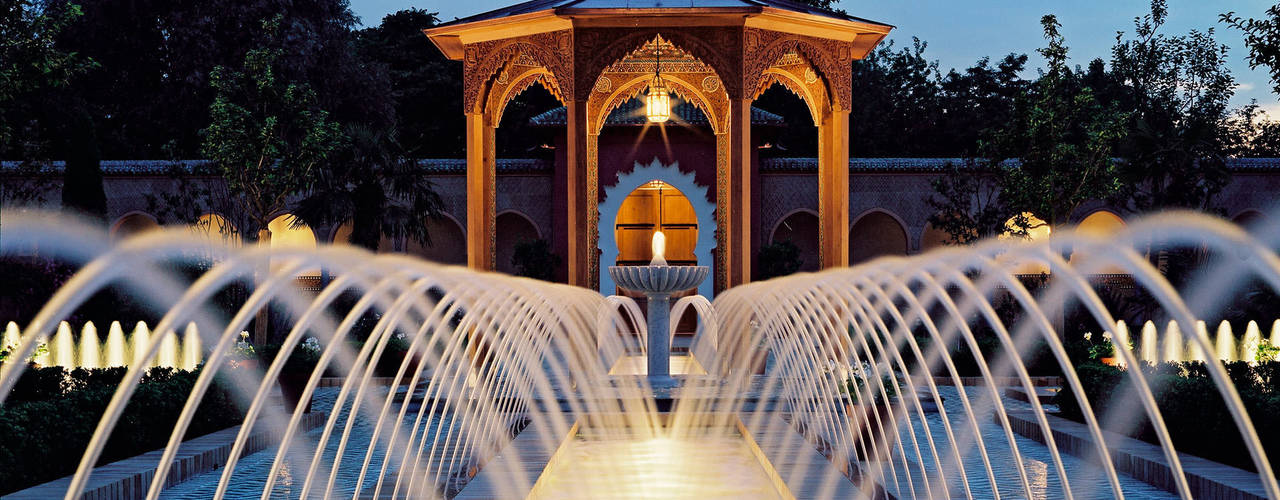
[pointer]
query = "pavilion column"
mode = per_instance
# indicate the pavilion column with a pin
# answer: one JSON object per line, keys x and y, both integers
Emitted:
{"x": 738, "y": 235}
{"x": 833, "y": 189}
{"x": 481, "y": 192}
{"x": 578, "y": 230}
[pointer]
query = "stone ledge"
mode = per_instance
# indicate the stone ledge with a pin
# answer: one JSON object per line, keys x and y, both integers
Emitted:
{"x": 1145, "y": 461}
{"x": 1000, "y": 381}
{"x": 129, "y": 479}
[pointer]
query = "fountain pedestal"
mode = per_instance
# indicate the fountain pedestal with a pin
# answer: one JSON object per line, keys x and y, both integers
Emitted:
{"x": 657, "y": 283}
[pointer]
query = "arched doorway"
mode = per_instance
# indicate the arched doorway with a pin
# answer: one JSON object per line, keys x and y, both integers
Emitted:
{"x": 511, "y": 229}
{"x": 1030, "y": 228}
{"x": 932, "y": 238}
{"x": 343, "y": 237}
{"x": 875, "y": 234}
{"x": 133, "y": 224}
{"x": 656, "y": 206}
{"x": 695, "y": 236}
{"x": 1100, "y": 224}
{"x": 216, "y": 228}
{"x": 448, "y": 244}
{"x": 289, "y": 233}
{"x": 801, "y": 229}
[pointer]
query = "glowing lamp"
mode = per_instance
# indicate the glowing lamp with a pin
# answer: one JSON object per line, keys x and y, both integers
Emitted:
{"x": 659, "y": 249}
{"x": 657, "y": 103}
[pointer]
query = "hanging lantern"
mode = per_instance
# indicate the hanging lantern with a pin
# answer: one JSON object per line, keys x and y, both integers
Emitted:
{"x": 657, "y": 102}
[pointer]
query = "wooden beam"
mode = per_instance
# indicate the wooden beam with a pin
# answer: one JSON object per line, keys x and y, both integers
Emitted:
{"x": 579, "y": 262}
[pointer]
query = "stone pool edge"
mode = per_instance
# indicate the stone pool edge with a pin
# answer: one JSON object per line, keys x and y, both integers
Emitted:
{"x": 129, "y": 479}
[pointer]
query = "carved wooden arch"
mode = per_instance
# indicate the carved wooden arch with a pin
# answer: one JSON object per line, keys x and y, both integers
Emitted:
{"x": 813, "y": 94}
{"x": 831, "y": 60}
{"x": 714, "y": 46}
{"x": 715, "y": 106}
{"x": 484, "y": 61}
{"x": 499, "y": 97}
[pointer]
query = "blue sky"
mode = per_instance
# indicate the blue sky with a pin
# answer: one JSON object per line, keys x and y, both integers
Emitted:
{"x": 961, "y": 31}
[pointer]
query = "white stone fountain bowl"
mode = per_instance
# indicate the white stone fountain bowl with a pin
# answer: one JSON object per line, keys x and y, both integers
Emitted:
{"x": 658, "y": 279}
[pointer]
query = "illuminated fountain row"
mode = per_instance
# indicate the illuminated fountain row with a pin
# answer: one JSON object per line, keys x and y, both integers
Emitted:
{"x": 505, "y": 368}
{"x": 91, "y": 350}
{"x": 1172, "y": 345}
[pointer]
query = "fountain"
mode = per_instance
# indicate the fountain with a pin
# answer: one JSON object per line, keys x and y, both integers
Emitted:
{"x": 507, "y": 391}
{"x": 657, "y": 281}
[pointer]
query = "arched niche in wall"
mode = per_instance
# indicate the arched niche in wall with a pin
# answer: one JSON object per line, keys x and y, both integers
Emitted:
{"x": 448, "y": 243}
{"x": 132, "y": 224}
{"x": 342, "y": 236}
{"x": 511, "y": 229}
{"x": 874, "y": 234}
{"x": 287, "y": 232}
{"x": 801, "y": 229}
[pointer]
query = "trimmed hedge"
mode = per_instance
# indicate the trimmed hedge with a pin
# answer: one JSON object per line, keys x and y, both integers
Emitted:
{"x": 48, "y": 419}
{"x": 1193, "y": 409}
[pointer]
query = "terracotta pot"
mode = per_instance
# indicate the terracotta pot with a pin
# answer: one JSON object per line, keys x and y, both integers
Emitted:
{"x": 863, "y": 420}
{"x": 243, "y": 364}
{"x": 291, "y": 387}
{"x": 1111, "y": 361}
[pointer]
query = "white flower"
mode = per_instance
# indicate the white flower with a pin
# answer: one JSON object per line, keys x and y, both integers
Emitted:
{"x": 311, "y": 344}
{"x": 1088, "y": 336}
{"x": 1106, "y": 336}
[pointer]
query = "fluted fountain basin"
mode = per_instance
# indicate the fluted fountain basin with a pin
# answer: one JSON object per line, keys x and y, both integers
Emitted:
{"x": 658, "y": 279}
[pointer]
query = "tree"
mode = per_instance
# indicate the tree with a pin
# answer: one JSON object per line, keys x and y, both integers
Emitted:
{"x": 267, "y": 136}
{"x": 1052, "y": 154}
{"x": 1062, "y": 139}
{"x": 372, "y": 186}
{"x": 425, "y": 86}
{"x": 1175, "y": 90}
{"x": 30, "y": 62}
{"x": 966, "y": 204}
{"x": 897, "y": 103}
{"x": 1262, "y": 36}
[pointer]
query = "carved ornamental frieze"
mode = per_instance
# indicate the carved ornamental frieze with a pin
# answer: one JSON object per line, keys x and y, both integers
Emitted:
{"x": 831, "y": 59}
{"x": 484, "y": 61}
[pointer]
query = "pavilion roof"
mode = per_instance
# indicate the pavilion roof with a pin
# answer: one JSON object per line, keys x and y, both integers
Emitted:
{"x": 584, "y": 6}
{"x": 630, "y": 112}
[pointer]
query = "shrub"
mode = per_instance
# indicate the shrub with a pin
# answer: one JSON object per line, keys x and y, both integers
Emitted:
{"x": 1190, "y": 404}
{"x": 47, "y": 422}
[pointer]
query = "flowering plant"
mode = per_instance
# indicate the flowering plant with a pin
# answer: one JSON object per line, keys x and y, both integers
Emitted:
{"x": 243, "y": 349}
{"x": 1101, "y": 349}
{"x": 7, "y": 351}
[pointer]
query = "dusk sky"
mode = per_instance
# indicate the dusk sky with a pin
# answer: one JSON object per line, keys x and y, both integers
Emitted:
{"x": 960, "y": 32}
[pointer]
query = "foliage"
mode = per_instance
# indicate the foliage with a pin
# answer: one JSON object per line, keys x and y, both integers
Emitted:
{"x": 779, "y": 258}
{"x": 267, "y": 136}
{"x": 1251, "y": 133}
{"x": 856, "y": 383}
{"x": 1051, "y": 155}
{"x": 1262, "y": 36}
{"x": 1103, "y": 348}
{"x": 1062, "y": 139}
{"x": 35, "y": 448}
{"x": 966, "y": 202}
{"x": 1175, "y": 90}
{"x": 370, "y": 185}
{"x": 1190, "y": 403}
{"x": 1267, "y": 353}
{"x": 8, "y": 350}
{"x": 30, "y": 61}
{"x": 302, "y": 360}
{"x": 425, "y": 86}
{"x": 533, "y": 259}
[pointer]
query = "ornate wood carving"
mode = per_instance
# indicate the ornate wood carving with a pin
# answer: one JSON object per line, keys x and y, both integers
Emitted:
{"x": 832, "y": 60}
{"x": 599, "y": 48}
{"x": 483, "y": 61}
